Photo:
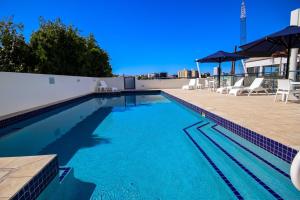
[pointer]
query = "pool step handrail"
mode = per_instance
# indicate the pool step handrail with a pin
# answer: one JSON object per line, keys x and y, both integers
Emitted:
{"x": 295, "y": 171}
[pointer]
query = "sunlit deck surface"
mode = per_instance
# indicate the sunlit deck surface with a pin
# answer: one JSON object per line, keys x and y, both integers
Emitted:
{"x": 16, "y": 172}
{"x": 278, "y": 121}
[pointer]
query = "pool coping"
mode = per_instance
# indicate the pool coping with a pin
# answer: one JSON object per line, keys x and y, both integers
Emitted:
{"x": 26, "y": 177}
{"x": 281, "y": 151}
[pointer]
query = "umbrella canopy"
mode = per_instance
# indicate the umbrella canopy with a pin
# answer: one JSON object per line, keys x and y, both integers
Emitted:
{"x": 219, "y": 57}
{"x": 282, "y": 40}
{"x": 286, "y": 38}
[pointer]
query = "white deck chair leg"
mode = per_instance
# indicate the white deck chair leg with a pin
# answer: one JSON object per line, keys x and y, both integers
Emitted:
{"x": 236, "y": 92}
{"x": 275, "y": 97}
{"x": 287, "y": 98}
{"x": 250, "y": 92}
{"x": 266, "y": 91}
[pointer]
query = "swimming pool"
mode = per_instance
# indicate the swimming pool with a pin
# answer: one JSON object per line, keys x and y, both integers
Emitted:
{"x": 147, "y": 147}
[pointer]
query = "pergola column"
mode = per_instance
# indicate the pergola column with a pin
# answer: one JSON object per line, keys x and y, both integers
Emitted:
{"x": 295, "y": 21}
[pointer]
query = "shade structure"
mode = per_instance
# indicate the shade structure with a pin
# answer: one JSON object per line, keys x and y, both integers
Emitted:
{"x": 219, "y": 57}
{"x": 279, "y": 41}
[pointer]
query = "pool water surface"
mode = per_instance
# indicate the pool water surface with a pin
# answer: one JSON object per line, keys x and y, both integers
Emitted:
{"x": 147, "y": 147}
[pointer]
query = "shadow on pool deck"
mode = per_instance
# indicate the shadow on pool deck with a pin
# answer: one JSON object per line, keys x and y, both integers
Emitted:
{"x": 80, "y": 136}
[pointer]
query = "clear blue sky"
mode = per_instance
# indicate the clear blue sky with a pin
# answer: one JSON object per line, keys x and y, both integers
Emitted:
{"x": 144, "y": 36}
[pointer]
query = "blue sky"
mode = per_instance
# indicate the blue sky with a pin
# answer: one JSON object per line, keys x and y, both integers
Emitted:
{"x": 144, "y": 36}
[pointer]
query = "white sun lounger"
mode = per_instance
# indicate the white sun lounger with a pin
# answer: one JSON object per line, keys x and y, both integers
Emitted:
{"x": 190, "y": 86}
{"x": 256, "y": 86}
{"x": 104, "y": 87}
{"x": 237, "y": 84}
{"x": 285, "y": 89}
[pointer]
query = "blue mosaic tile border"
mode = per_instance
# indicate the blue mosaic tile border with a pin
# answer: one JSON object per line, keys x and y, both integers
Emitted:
{"x": 251, "y": 152}
{"x": 282, "y": 151}
{"x": 251, "y": 174}
{"x": 39, "y": 182}
{"x": 215, "y": 167}
{"x": 66, "y": 171}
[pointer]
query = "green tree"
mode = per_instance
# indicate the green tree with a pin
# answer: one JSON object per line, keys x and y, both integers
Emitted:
{"x": 15, "y": 55}
{"x": 97, "y": 60}
{"x": 60, "y": 49}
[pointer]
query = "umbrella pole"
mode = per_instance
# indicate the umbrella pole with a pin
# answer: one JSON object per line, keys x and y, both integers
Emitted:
{"x": 287, "y": 69}
{"x": 219, "y": 75}
{"x": 198, "y": 68}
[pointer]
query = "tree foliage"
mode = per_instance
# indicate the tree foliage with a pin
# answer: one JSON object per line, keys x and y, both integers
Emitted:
{"x": 14, "y": 52}
{"x": 54, "y": 48}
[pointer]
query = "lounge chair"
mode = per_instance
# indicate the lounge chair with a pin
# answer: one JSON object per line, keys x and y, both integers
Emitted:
{"x": 190, "y": 86}
{"x": 256, "y": 86}
{"x": 198, "y": 84}
{"x": 102, "y": 86}
{"x": 285, "y": 89}
{"x": 237, "y": 84}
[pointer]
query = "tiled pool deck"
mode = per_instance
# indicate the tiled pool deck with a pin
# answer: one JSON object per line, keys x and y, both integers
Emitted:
{"x": 278, "y": 121}
{"x": 26, "y": 177}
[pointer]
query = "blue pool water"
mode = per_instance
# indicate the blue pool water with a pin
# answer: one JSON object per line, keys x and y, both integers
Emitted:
{"x": 147, "y": 147}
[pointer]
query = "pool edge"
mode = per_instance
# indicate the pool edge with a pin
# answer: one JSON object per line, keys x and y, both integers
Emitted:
{"x": 276, "y": 148}
{"x": 281, "y": 151}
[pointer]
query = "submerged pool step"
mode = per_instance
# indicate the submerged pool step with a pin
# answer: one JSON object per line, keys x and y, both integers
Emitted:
{"x": 214, "y": 166}
{"x": 238, "y": 163}
{"x": 214, "y": 127}
{"x": 259, "y": 168}
{"x": 259, "y": 162}
{"x": 242, "y": 164}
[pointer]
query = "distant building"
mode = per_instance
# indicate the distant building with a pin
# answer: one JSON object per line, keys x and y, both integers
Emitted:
{"x": 194, "y": 73}
{"x": 184, "y": 73}
{"x": 173, "y": 76}
{"x": 153, "y": 76}
{"x": 163, "y": 75}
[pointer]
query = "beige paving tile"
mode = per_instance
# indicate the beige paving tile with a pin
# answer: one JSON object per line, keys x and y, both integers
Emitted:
{"x": 15, "y": 172}
{"x": 4, "y": 173}
{"x": 5, "y": 162}
{"x": 16, "y": 162}
{"x": 278, "y": 121}
{"x": 31, "y": 168}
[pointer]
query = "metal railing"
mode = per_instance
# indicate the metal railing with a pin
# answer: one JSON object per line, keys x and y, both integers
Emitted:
{"x": 270, "y": 79}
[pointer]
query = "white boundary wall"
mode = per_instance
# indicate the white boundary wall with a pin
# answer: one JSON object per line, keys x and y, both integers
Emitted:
{"x": 160, "y": 84}
{"x": 22, "y": 91}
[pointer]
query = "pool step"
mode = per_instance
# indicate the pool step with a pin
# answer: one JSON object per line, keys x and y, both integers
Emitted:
{"x": 232, "y": 157}
{"x": 238, "y": 163}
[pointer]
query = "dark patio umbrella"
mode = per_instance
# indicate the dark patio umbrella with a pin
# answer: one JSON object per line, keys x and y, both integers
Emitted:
{"x": 282, "y": 40}
{"x": 220, "y": 57}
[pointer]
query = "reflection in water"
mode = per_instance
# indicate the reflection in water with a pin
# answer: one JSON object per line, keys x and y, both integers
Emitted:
{"x": 32, "y": 136}
{"x": 35, "y": 134}
{"x": 66, "y": 130}
{"x": 80, "y": 136}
